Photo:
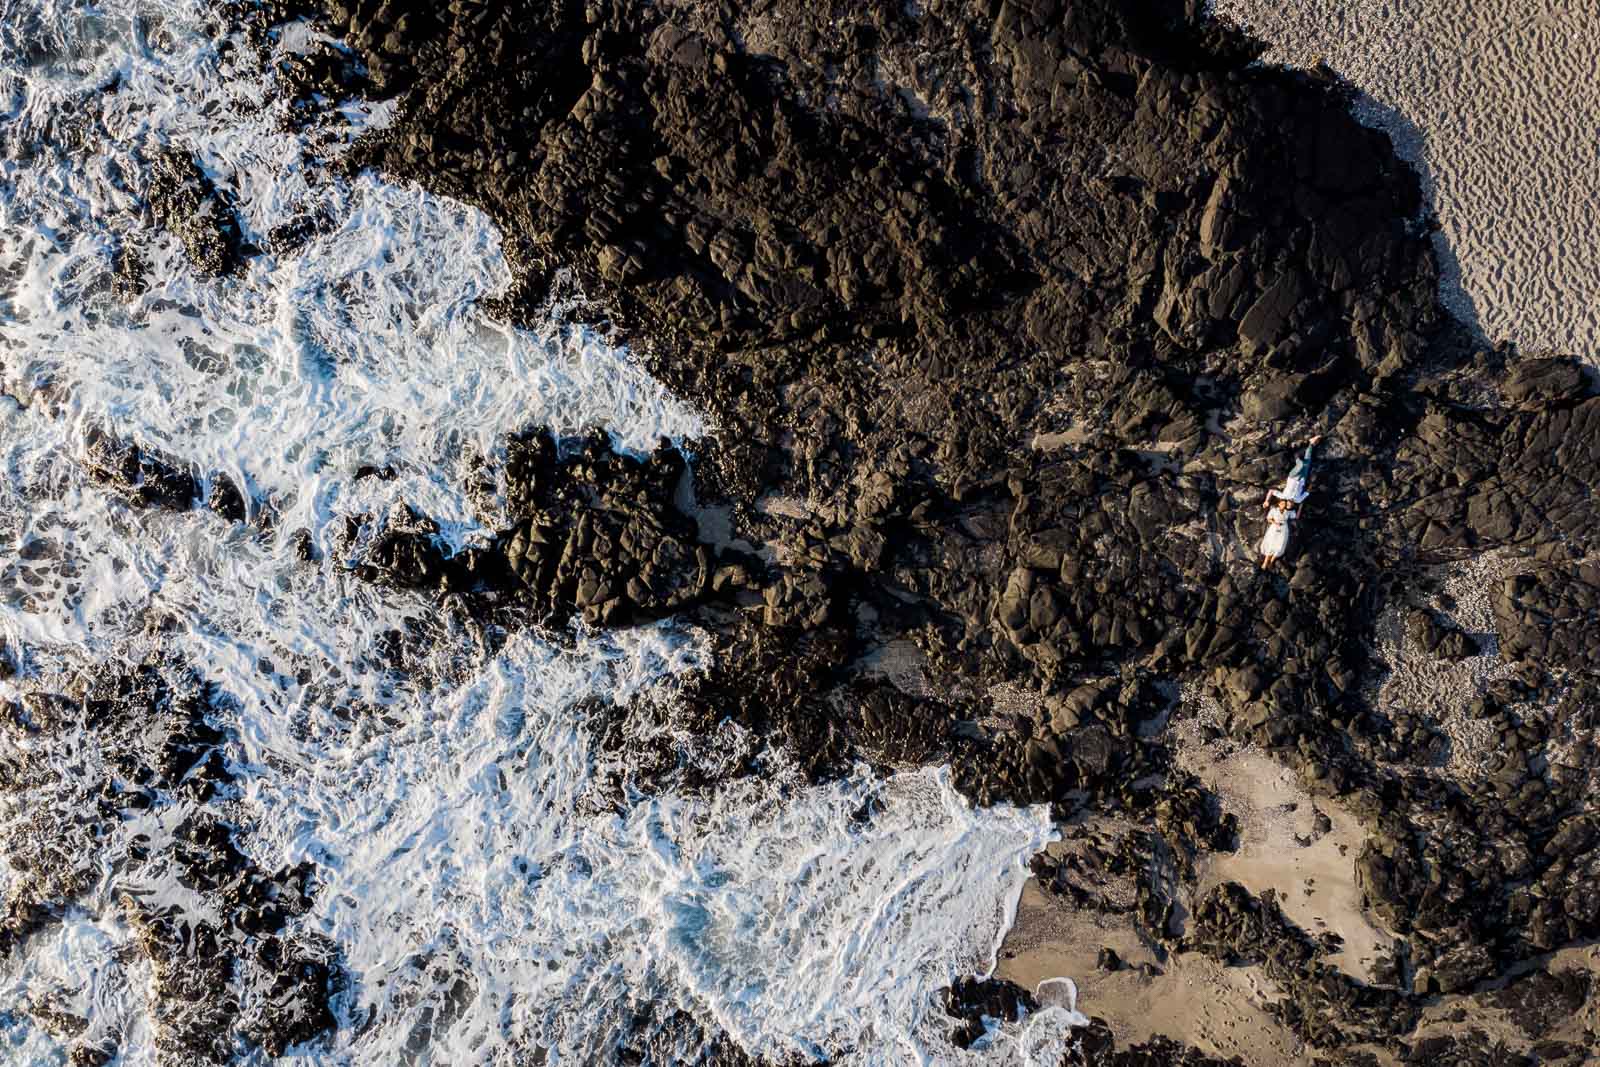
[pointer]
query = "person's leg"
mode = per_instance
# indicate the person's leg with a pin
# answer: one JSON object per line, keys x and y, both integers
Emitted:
{"x": 1302, "y": 465}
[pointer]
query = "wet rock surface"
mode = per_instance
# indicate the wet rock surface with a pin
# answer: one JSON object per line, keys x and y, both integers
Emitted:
{"x": 679, "y": 1037}
{"x": 144, "y": 477}
{"x": 187, "y": 204}
{"x": 974, "y": 1000}
{"x": 984, "y": 1004}
{"x": 226, "y": 968}
{"x": 140, "y": 476}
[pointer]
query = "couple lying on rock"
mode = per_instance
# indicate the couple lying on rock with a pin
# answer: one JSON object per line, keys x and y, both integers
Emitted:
{"x": 1283, "y": 507}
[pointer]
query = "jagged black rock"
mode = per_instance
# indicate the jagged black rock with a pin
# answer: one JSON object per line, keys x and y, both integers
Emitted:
{"x": 236, "y": 968}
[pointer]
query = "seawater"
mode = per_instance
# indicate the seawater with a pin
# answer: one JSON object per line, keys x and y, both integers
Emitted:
{"x": 487, "y": 902}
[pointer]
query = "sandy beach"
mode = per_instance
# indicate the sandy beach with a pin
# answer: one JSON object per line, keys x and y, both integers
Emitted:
{"x": 1498, "y": 105}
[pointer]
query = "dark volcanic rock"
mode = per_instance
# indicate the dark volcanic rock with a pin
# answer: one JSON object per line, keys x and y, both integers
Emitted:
{"x": 1438, "y": 636}
{"x": 597, "y": 535}
{"x": 972, "y": 1000}
{"x": 231, "y": 968}
{"x": 1097, "y": 1048}
{"x": 1323, "y": 1006}
{"x": 128, "y": 274}
{"x": 140, "y": 476}
{"x": 1478, "y": 479}
{"x": 187, "y": 204}
{"x": 145, "y": 478}
{"x": 681, "y": 1038}
{"x": 883, "y": 341}
{"x": 226, "y": 500}
{"x": 1551, "y": 614}
{"x": 1533, "y": 384}
{"x": 1471, "y": 1049}
{"x": 1540, "y": 1002}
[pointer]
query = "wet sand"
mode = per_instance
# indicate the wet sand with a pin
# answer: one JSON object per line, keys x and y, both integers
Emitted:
{"x": 1196, "y": 1000}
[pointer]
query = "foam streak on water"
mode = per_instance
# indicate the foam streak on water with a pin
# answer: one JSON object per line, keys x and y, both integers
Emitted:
{"x": 486, "y": 900}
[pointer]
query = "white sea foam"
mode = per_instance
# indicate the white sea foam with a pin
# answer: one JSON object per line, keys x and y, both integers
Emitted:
{"x": 486, "y": 901}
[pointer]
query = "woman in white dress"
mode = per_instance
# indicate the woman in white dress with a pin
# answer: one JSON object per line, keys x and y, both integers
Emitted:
{"x": 1276, "y": 539}
{"x": 1283, "y": 507}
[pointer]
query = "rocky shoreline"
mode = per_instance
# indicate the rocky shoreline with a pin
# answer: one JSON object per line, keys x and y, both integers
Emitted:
{"x": 1004, "y": 315}
{"x": 1015, "y": 308}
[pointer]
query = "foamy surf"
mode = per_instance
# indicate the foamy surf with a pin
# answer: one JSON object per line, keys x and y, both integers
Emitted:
{"x": 490, "y": 902}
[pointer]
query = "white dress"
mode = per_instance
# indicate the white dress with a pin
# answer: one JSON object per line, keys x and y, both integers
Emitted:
{"x": 1276, "y": 539}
